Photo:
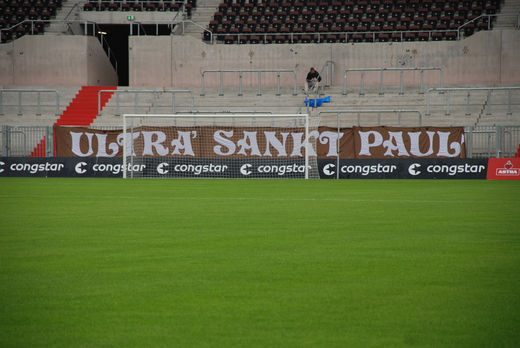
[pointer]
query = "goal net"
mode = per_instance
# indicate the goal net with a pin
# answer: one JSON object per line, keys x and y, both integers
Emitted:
{"x": 220, "y": 146}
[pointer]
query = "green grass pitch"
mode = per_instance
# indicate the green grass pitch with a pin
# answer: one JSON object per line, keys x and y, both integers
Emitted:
{"x": 259, "y": 263}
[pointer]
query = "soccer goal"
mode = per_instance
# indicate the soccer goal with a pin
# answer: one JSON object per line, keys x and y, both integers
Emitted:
{"x": 220, "y": 146}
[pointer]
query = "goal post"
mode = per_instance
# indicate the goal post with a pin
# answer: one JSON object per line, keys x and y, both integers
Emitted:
{"x": 220, "y": 146}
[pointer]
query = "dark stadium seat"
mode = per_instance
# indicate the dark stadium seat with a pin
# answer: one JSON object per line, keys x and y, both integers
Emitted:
{"x": 304, "y": 18}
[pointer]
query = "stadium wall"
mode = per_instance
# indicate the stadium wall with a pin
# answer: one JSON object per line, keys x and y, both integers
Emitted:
{"x": 63, "y": 60}
{"x": 485, "y": 58}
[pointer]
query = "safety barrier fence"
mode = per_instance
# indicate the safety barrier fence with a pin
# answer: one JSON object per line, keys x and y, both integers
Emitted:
{"x": 20, "y": 141}
{"x": 38, "y": 102}
{"x": 381, "y": 77}
{"x": 136, "y": 92}
{"x": 240, "y": 73}
{"x": 468, "y": 90}
{"x": 492, "y": 141}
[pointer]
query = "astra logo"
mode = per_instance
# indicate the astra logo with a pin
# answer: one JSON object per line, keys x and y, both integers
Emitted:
{"x": 328, "y": 169}
{"x": 413, "y": 169}
{"x": 161, "y": 168}
{"x": 246, "y": 169}
{"x": 1, "y": 164}
{"x": 80, "y": 168}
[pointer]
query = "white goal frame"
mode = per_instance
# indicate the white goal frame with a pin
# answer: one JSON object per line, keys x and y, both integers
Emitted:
{"x": 305, "y": 116}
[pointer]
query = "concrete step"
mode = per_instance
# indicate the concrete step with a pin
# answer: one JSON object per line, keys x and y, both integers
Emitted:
{"x": 269, "y": 102}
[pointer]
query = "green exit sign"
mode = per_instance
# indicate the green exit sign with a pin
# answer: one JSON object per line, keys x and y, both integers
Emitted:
{"x": 130, "y": 18}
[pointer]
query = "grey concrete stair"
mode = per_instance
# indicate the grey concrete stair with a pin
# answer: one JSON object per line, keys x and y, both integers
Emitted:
{"x": 510, "y": 10}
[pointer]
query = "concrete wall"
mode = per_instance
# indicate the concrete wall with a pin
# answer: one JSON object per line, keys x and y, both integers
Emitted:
{"x": 486, "y": 58}
{"x": 55, "y": 60}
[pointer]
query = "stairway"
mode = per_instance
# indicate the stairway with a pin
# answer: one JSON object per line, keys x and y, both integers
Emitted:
{"x": 40, "y": 149}
{"x": 511, "y": 8}
{"x": 83, "y": 109}
{"x": 201, "y": 15}
{"x": 68, "y": 11}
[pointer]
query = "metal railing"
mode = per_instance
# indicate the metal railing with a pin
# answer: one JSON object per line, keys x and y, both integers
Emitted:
{"x": 188, "y": 21}
{"x": 328, "y": 70}
{"x": 240, "y": 72}
{"x": 136, "y": 92}
{"x": 233, "y": 112}
{"x": 401, "y": 79}
{"x": 488, "y": 17}
{"x": 116, "y": 5}
{"x": 468, "y": 90}
{"x": 21, "y": 141}
{"x": 378, "y": 112}
{"x": 492, "y": 141}
{"x": 38, "y": 99}
{"x": 321, "y": 36}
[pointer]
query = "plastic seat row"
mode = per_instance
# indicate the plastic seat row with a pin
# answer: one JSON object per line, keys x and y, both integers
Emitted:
{"x": 343, "y": 37}
{"x": 255, "y": 17}
{"x": 21, "y": 17}
{"x": 138, "y": 5}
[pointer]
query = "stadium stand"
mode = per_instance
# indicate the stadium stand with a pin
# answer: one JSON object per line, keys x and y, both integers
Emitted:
{"x": 18, "y": 18}
{"x": 141, "y": 5}
{"x": 348, "y": 21}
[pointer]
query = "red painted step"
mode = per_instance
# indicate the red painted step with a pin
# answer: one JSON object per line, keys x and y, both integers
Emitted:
{"x": 39, "y": 150}
{"x": 83, "y": 109}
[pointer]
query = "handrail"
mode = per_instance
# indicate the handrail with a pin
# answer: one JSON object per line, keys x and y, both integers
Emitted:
{"x": 463, "y": 25}
{"x": 382, "y": 70}
{"x": 39, "y": 91}
{"x": 233, "y": 112}
{"x": 197, "y": 25}
{"x": 240, "y": 72}
{"x": 141, "y": 91}
{"x": 468, "y": 89}
{"x": 329, "y": 80}
{"x": 358, "y": 112}
{"x": 174, "y": 21}
{"x": 140, "y": 26}
{"x": 321, "y": 36}
{"x": 76, "y": 6}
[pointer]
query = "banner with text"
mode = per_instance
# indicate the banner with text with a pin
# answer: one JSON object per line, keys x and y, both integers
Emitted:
{"x": 251, "y": 142}
{"x": 504, "y": 169}
{"x": 434, "y": 168}
{"x": 246, "y": 168}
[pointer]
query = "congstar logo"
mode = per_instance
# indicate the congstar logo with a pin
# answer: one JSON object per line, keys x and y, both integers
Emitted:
{"x": 80, "y": 168}
{"x": 162, "y": 168}
{"x": 413, "y": 169}
{"x": 246, "y": 169}
{"x": 1, "y": 165}
{"x": 329, "y": 169}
